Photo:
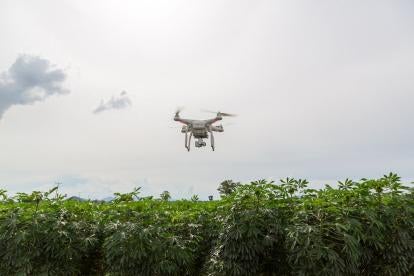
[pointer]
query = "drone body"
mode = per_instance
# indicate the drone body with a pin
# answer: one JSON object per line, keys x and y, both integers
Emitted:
{"x": 200, "y": 129}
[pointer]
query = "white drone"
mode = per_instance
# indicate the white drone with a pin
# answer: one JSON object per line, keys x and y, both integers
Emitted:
{"x": 200, "y": 128}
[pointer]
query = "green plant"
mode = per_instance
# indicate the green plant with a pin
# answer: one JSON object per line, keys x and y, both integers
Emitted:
{"x": 361, "y": 227}
{"x": 165, "y": 196}
{"x": 227, "y": 187}
{"x": 127, "y": 197}
{"x": 195, "y": 198}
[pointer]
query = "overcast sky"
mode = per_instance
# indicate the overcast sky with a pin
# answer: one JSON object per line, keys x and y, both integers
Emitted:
{"x": 324, "y": 90}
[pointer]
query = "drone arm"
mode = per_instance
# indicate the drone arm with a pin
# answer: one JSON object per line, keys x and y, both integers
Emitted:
{"x": 184, "y": 121}
{"x": 212, "y": 121}
{"x": 217, "y": 128}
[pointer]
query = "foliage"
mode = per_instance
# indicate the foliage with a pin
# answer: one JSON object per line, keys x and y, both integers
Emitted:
{"x": 127, "y": 197}
{"x": 262, "y": 228}
{"x": 52, "y": 240}
{"x": 195, "y": 198}
{"x": 165, "y": 196}
{"x": 227, "y": 187}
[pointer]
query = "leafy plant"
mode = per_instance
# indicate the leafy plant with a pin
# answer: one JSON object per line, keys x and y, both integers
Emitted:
{"x": 165, "y": 196}
{"x": 227, "y": 187}
{"x": 127, "y": 197}
{"x": 195, "y": 198}
{"x": 361, "y": 227}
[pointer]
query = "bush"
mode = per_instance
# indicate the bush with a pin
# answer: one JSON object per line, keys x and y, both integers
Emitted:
{"x": 52, "y": 241}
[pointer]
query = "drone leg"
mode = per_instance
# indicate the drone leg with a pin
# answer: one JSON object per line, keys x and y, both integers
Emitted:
{"x": 212, "y": 140}
{"x": 189, "y": 141}
{"x": 186, "y": 140}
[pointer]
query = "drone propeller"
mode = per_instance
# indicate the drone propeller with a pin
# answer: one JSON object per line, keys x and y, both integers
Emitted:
{"x": 226, "y": 114}
{"x": 222, "y": 114}
{"x": 178, "y": 110}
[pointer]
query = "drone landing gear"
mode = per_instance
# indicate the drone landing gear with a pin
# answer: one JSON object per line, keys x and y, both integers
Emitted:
{"x": 188, "y": 141}
{"x": 212, "y": 140}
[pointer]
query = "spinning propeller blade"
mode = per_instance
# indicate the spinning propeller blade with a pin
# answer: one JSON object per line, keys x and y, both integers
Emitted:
{"x": 226, "y": 114}
{"x": 178, "y": 110}
{"x": 219, "y": 113}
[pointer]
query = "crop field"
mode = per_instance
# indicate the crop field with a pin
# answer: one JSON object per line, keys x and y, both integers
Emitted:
{"x": 363, "y": 227}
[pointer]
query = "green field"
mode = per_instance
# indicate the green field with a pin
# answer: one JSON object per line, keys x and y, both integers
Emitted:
{"x": 361, "y": 227}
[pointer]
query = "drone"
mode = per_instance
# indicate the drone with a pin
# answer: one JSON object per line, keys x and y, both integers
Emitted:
{"x": 201, "y": 129}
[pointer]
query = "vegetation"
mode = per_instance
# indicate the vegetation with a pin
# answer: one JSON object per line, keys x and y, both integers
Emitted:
{"x": 362, "y": 227}
{"x": 227, "y": 187}
{"x": 165, "y": 196}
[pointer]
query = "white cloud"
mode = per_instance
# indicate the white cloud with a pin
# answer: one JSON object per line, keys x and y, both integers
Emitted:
{"x": 30, "y": 79}
{"x": 120, "y": 102}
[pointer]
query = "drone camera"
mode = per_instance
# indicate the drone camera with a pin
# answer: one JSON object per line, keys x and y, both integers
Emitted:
{"x": 199, "y": 144}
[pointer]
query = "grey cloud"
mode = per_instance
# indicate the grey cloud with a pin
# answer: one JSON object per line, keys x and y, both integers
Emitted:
{"x": 30, "y": 79}
{"x": 120, "y": 102}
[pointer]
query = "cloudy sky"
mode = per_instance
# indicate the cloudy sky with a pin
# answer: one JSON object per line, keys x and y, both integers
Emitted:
{"x": 324, "y": 90}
